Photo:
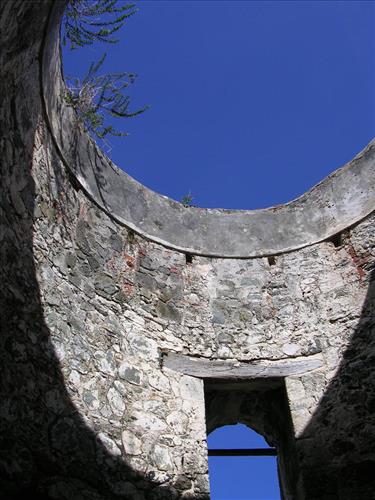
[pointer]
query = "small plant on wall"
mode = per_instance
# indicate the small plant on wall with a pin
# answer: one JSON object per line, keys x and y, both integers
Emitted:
{"x": 187, "y": 200}
{"x": 97, "y": 98}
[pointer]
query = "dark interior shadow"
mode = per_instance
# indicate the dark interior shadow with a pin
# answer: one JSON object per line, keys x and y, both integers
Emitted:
{"x": 336, "y": 450}
{"x": 46, "y": 451}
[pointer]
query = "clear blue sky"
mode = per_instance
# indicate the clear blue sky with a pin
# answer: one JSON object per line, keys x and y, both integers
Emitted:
{"x": 241, "y": 478}
{"x": 252, "y": 103}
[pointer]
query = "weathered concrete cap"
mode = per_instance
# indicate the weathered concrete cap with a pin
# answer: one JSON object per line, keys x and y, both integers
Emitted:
{"x": 339, "y": 201}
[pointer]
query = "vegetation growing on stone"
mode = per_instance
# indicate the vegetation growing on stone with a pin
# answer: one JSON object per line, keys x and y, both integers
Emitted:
{"x": 98, "y": 97}
{"x": 187, "y": 200}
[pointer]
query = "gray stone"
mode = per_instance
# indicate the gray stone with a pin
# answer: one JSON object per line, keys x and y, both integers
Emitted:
{"x": 167, "y": 311}
{"x": 132, "y": 445}
{"x": 130, "y": 374}
{"x": 116, "y": 401}
{"x": 105, "y": 284}
{"x": 161, "y": 458}
{"x": 116, "y": 242}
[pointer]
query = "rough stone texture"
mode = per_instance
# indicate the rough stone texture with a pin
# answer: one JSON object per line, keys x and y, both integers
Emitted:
{"x": 91, "y": 310}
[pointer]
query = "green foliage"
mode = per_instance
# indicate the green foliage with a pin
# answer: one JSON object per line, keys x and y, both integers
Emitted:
{"x": 89, "y": 21}
{"x": 97, "y": 97}
{"x": 187, "y": 200}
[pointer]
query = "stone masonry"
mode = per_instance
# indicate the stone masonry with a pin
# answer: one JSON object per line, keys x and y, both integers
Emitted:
{"x": 129, "y": 331}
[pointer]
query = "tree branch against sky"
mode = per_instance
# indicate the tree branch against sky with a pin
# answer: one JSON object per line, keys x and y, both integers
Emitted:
{"x": 97, "y": 97}
{"x": 90, "y": 21}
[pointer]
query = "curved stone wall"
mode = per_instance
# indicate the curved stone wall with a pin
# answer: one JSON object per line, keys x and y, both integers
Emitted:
{"x": 339, "y": 201}
{"x": 116, "y": 349}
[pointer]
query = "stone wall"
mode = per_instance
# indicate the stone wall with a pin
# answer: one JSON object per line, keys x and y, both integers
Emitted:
{"x": 118, "y": 346}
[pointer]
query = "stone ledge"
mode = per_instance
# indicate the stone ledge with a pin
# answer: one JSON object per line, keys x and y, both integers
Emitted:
{"x": 230, "y": 370}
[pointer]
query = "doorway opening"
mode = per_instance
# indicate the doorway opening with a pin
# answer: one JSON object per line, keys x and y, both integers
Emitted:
{"x": 251, "y": 415}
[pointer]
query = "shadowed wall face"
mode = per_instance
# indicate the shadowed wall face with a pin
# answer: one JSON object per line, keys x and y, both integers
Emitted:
{"x": 89, "y": 408}
{"x": 337, "y": 444}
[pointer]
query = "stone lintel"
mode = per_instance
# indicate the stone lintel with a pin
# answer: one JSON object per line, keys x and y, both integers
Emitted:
{"x": 231, "y": 369}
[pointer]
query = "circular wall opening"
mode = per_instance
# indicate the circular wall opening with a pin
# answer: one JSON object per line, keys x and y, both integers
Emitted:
{"x": 252, "y": 103}
{"x": 339, "y": 201}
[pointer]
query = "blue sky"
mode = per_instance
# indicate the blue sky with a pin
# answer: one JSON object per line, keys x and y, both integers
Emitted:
{"x": 241, "y": 478}
{"x": 251, "y": 104}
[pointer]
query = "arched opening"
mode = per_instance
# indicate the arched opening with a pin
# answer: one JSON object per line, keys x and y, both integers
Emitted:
{"x": 251, "y": 414}
{"x": 251, "y": 475}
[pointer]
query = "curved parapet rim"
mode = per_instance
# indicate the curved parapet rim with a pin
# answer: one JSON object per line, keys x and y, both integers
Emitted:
{"x": 341, "y": 200}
